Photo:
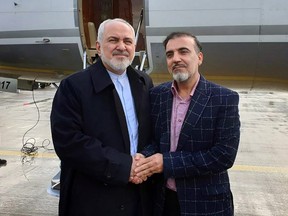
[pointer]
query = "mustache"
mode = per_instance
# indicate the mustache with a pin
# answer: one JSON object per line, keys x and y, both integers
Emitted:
{"x": 174, "y": 66}
{"x": 117, "y": 52}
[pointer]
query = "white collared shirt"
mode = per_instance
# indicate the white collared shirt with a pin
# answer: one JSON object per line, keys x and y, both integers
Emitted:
{"x": 123, "y": 89}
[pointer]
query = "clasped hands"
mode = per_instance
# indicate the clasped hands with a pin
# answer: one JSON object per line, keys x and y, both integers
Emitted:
{"x": 142, "y": 167}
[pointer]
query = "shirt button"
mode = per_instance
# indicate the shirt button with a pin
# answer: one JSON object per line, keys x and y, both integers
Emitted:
{"x": 179, "y": 120}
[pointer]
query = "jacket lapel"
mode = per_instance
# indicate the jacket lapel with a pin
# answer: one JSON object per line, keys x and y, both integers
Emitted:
{"x": 122, "y": 120}
{"x": 101, "y": 80}
{"x": 196, "y": 107}
{"x": 136, "y": 86}
{"x": 166, "y": 102}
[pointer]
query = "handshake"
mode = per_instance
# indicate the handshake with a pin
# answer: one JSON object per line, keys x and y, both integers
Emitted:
{"x": 142, "y": 167}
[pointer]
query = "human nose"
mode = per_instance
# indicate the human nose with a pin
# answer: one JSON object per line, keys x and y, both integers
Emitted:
{"x": 121, "y": 45}
{"x": 176, "y": 57}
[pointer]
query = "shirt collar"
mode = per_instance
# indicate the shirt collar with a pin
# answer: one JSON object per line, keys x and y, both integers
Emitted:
{"x": 117, "y": 76}
{"x": 175, "y": 91}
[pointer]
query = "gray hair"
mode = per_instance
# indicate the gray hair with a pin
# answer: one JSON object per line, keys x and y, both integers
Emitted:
{"x": 102, "y": 27}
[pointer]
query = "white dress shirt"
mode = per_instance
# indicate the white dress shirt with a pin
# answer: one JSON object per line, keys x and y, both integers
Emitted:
{"x": 123, "y": 89}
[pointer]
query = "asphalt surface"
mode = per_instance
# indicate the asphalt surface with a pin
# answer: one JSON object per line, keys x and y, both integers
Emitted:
{"x": 259, "y": 177}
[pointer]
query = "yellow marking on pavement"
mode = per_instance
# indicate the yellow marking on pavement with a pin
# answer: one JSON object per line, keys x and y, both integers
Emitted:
{"x": 247, "y": 78}
{"x": 37, "y": 155}
{"x": 244, "y": 168}
{"x": 265, "y": 169}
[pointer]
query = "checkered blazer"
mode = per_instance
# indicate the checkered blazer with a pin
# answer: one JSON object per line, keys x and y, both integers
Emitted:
{"x": 206, "y": 149}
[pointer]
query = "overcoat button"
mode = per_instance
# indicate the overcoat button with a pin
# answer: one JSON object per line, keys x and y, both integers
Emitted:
{"x": 122, "y": 207}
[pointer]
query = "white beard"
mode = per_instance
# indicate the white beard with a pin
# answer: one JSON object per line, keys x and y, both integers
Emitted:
{"x": 117, "y": 65}
{"x": 181, "y": 76}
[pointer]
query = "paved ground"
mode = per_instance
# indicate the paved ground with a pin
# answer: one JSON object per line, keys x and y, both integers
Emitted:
{"x": 259, "y": 177}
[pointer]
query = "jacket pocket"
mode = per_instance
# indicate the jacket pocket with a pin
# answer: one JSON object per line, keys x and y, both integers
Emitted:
{"x": 216, "y": 189}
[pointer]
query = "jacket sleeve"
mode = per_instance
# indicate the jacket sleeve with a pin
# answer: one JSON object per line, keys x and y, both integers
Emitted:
{"x": 77, "y": 150}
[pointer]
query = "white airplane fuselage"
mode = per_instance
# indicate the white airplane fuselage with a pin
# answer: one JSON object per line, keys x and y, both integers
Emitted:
{"x": 39, "y": 40}
{"x": 242, "y": 40}
{"x": 47, "y": 40}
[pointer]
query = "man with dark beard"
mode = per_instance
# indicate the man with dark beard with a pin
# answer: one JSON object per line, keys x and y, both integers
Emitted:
{"x": 196, "y": 130}
{"x": 99, "y": 121}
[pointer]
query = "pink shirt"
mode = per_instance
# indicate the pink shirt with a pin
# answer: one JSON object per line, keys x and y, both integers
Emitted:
{"x": 179, "y": 110}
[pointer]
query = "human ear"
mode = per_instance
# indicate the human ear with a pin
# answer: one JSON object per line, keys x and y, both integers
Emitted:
{"x": 200, "y": 58}
{"x": 98, "y": 48}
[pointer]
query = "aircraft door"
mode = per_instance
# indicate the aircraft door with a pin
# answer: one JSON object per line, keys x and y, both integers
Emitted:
{"x": 92, "y": 13}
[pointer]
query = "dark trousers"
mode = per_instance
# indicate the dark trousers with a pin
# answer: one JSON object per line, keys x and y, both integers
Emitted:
{"x": 171, "y": 205}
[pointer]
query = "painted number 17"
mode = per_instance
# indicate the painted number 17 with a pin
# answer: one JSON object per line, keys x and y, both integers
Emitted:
{"x": 5, "y": 84}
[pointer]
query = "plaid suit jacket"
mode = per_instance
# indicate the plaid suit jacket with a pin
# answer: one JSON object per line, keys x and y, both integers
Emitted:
{"x": 206, "y": 149}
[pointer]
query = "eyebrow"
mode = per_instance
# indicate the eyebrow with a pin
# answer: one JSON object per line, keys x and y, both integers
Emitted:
{"x": 179, "y": 49}
{"x": 116, "y": 37}
{"x": 183, "y": 48}
{"x": 169, "y": 51}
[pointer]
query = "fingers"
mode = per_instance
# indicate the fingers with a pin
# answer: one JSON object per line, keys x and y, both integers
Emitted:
{"x": 138, "y": 156}
{"x": 137, "y": 180}
{"x": 142, "y": 167}
{"x": 150, "y": 165}
{"x": 133, "y": 178}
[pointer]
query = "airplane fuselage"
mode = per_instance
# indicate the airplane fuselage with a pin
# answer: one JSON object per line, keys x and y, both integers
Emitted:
{"x": 243, "y": 40}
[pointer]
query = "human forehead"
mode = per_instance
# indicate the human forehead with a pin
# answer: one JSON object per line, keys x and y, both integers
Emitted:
{"x": 180, "y": 42}
{"x": 118, "y": 29}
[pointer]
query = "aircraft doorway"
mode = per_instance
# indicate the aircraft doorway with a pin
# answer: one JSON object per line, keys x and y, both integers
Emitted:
{"x": 92, "y": 13}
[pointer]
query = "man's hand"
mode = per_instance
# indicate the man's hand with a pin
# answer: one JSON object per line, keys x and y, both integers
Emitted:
{"x": 145, "y": 167}
{"x": 133, "y": 178}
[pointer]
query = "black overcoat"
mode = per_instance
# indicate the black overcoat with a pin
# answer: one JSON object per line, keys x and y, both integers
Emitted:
{"x": 90, "y": 137}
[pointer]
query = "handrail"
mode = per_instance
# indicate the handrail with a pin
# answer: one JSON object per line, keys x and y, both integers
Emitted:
{"x": 84, "y": 59}
{"x": 143, "y": 61}
{"x": 138, "y": 27}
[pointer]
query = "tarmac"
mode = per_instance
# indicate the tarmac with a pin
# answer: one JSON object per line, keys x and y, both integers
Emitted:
{"x": 259, "y": 177}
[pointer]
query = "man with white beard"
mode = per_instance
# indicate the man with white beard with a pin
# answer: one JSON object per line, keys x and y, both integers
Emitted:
{"x": 100, "y": 119}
